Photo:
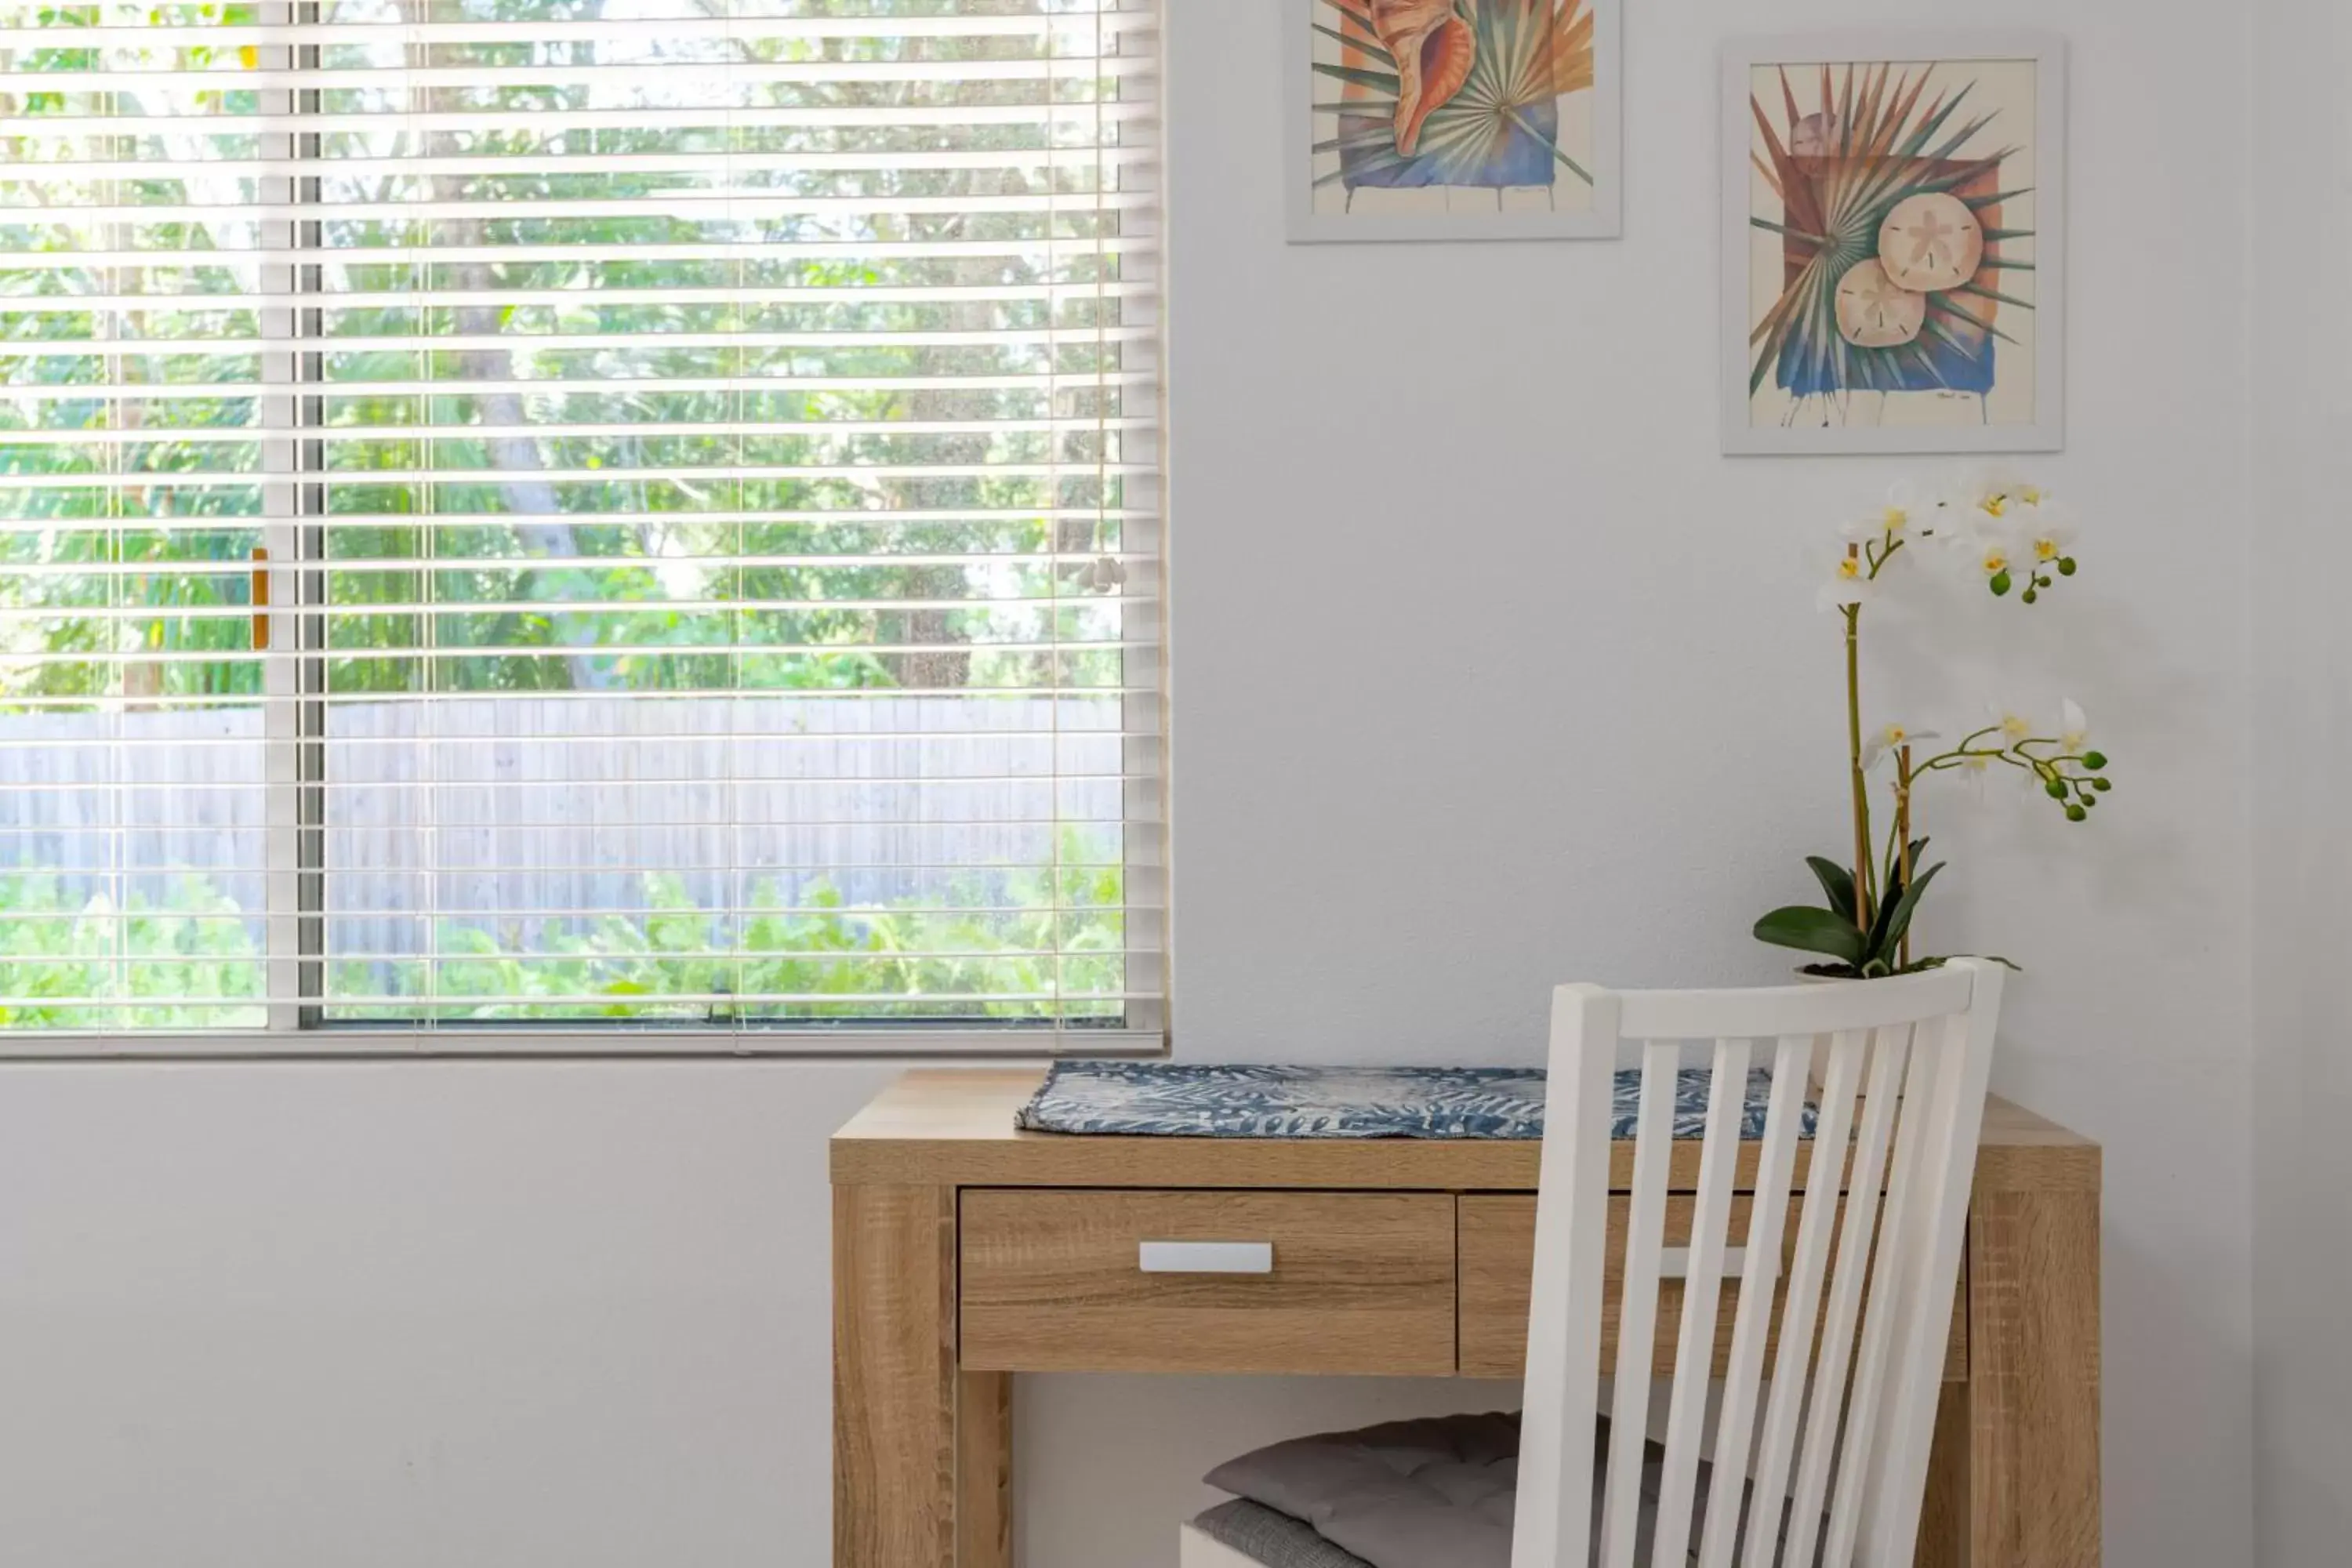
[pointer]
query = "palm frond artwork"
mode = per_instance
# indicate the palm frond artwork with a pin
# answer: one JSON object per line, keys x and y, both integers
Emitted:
{"x": 1455, "y": 92}
{"x": 1896, "y": 265}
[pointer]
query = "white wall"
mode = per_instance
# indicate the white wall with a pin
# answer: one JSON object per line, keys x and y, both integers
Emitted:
{"x": 2302, "y": 749}
{"x": 276, "y": 1316}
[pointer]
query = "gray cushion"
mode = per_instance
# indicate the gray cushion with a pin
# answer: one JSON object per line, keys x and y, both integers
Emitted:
{"x": 1416, "y": 1494}
{"x": 1277, "y": 1539}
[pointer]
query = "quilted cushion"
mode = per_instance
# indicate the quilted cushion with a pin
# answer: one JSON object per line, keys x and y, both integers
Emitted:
{"x": 1277, "y": 1539}
{"x": 1408, "y": 1494}
{"x": 1417, "y": 1494}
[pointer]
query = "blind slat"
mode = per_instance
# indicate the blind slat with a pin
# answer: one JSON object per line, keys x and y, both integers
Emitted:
{"x": 247, "y": 124}
{"x": 19, "y": 26}
{"x": 132, "y": 72}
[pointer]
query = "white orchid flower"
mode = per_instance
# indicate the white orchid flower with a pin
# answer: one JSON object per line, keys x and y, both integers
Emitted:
{"x": 1991, "y": 495}
{"x": 1977, "y": 511}
{"x": 1908, "y": 512}
{"x": 1846, "y": 581}
{"x": 1976, "y": 769}
{"x": 2044, "y": 529}
{"x": 2075, "y": 730}
{"x": 2014, "y": 726}
{"x": 1991, "y": 552}
{"x": 1889, "y": 739}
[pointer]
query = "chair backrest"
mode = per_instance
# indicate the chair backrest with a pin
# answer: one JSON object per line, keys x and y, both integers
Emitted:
{"x": 1839, "y": 1439}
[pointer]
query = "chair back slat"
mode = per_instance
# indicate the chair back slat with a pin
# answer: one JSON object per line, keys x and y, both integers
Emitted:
{"x": 1807, "y": 1270}
{"x": 1890, "y": 1053}
{"x": 1637, "y": 1302}
{"x": 1767, "y": 1221}
{"x": 1896, "y": 1486}
{"x": 1858, "y": 1301}
{"x": 1888, "y": 1263}
{"x": 1557, "y": 1435}
{"x": 1718, "y": 1167}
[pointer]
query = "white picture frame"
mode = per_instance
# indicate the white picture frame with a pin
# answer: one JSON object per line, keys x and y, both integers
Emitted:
{"x": 2025, "y": 374}
{"x": 1454, "y": 210}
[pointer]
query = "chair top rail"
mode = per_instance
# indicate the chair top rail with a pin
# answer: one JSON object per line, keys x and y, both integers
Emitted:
{"x": 1769, "y": 1011}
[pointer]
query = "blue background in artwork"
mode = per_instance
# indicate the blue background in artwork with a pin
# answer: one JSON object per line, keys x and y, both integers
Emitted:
{"x": 1524, "y": 160}
{"x": 1954, "y": 370}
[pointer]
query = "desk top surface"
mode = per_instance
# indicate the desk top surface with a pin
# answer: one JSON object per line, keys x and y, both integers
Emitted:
{"x": 953, "y": 1127}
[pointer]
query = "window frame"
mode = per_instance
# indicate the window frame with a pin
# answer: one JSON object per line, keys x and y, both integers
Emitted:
{"x": 294, "y": 707}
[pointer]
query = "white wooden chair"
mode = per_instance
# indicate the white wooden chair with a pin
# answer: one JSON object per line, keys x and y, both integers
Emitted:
{"x": 1838, "y": 1441}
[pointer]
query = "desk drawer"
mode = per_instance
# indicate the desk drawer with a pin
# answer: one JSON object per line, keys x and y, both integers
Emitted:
{"x": 1355, "y": 1282}
{"x": 1498, "y": 1248}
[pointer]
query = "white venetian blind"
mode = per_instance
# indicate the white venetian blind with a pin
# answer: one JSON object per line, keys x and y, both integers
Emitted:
{"x": 699, "y": 458}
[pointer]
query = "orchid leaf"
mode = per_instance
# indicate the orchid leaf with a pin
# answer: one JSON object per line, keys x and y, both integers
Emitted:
{"x": 1894, "y": 919}
{"x": 1811, "y": 929}
{"x": 1837, "y": 882}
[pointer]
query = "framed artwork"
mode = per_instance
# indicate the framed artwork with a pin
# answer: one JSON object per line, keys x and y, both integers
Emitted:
{"x": 1893, "y": 253}
{"x": 1451, "y": 119}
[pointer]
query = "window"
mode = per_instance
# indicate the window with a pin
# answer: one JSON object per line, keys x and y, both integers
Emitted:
{"x": 528, "y": 517}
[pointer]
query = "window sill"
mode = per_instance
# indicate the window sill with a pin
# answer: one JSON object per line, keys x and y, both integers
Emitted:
{"x": 585, "y": 1044}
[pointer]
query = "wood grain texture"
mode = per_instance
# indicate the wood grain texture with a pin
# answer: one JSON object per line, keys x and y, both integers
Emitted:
{"x": 2033, "y": 1305}
{"x": 894, "y": 1377}
{"x": 954, "y": 1126}
{"x": 1362, "y": 1283}
{"x": 1944, "y": 1509}
{"x": 985, "y": 1470}
{"x": 1497, "y": 1263}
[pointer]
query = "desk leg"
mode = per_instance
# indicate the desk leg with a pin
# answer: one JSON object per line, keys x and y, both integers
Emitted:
{"x": 2034, "y": 1379}
{"x": 894, "y": 1377}
{"x": 984, "y": 1470}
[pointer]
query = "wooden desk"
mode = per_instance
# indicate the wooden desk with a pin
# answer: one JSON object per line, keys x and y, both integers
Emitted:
{"x": 964, "y": 1252}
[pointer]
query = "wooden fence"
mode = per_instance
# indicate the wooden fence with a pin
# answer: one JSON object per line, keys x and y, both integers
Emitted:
{"x": 566, "y": 805}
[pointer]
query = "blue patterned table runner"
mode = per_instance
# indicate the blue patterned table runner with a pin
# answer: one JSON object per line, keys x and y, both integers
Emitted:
{"x": 1173, "y": 1099}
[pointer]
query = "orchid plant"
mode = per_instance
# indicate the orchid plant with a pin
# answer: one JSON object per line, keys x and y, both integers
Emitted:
{"x": 2016, "y": 541}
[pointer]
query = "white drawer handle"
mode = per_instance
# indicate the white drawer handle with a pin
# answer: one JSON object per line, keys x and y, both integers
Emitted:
{"x": 1674, "y": 1263}
{"x": 1206, "y": 1258}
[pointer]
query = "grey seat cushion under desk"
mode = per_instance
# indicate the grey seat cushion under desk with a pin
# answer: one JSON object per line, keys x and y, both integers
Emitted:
{"x": 1436, "y": 1493}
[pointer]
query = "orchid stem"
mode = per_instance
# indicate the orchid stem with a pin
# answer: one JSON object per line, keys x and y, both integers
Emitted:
{"x": 1902, "y": 830}
{"x": 1864, "y": 880}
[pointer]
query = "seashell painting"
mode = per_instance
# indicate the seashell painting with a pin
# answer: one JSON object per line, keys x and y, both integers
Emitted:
{"x": 1889, "y": 236}
{"x": 1433, "y": 49}
{"x": 1457, "y": 112}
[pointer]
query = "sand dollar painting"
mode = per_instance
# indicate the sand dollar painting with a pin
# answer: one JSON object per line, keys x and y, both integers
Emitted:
{"x": 1890, "y": 236}
{"x": 1875, "y": 311}
{"x": 1452, "y": 119}
{"x": 1931, "y": 243}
